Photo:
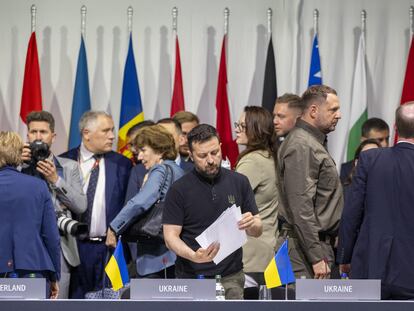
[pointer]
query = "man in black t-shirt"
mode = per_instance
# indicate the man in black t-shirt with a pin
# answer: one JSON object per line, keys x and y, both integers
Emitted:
{"x": 196, "y": 200}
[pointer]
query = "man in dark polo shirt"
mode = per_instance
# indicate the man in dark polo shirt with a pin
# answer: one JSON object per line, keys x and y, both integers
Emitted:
{"x": 196, "y": 200}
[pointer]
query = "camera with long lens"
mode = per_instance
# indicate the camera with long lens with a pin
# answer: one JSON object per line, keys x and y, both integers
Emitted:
{"x": 67, "y": 225}
{"x": 39, "y": 150}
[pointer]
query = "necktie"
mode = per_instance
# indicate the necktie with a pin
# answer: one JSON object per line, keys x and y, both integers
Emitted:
{"x": 90, "y": 192}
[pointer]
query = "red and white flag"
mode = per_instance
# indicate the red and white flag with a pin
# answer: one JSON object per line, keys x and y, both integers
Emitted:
{"x": 177, "y": 102}
{"x": 32, "y": 92}
{"x": 229, "y": 146}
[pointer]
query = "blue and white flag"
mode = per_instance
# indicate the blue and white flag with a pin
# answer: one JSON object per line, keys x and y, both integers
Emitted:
{"x": 315, "y": 73}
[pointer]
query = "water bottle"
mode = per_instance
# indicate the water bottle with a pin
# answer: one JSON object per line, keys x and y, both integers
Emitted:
{"x": 220, "y": 293}
{"x": 344, "y": 276}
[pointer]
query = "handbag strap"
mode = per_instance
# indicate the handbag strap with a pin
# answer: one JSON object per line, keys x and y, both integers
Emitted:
{"x": 164, "y": 182}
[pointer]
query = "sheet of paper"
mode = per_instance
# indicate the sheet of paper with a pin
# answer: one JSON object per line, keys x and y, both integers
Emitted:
{"x": 226, "y": 232}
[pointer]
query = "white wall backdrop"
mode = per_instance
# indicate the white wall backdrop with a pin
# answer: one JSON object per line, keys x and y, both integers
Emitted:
{"x": 200, "y": 28}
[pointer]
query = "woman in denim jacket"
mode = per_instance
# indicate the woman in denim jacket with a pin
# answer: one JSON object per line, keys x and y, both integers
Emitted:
{"x": 156, "y": 151}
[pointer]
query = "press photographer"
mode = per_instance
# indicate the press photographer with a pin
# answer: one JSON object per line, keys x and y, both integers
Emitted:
{"x": 65, "y": 185}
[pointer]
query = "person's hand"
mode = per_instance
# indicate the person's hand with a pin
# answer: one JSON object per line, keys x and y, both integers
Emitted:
{"x": 110, "y": 238}
{"x": 54, "y": 290}
{"x": 48, "y": 169}
{"x": 26, "y": 153}
{"x": 206, "y": 255}
{"x": 321, "y": 270}
{"x": 246, "y": 222}
{"x": 345, "y": 268}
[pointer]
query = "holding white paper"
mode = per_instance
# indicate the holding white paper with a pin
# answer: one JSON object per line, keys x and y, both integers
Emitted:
{"x": 226, "y": 232}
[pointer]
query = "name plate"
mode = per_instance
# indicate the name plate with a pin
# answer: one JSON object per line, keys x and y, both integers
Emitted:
{"x": 173, "y": 289}
{"x": 330, "y": 289}
{"x": 25, "y": 288}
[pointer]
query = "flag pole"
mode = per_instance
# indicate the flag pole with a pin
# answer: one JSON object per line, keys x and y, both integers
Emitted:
{"x": 174, "y": 19}
{"x": 286, "y": 285}
{"x": 411, "y": 21}
{"x": 226, "y": 20}
{"x": 174, "y": 13}
{"x": 315, "y": 21}
{"x": 83, "y": 21}
{"x": 130, "y": 12}
{"x": 269, "y": 22}
{"x": 363, "y": 22}
{"x": 33, "y": 20}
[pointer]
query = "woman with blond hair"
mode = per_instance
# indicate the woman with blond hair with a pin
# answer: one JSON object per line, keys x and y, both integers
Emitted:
{"x": 156, "y": 151}
{"x": 29, "y": 237}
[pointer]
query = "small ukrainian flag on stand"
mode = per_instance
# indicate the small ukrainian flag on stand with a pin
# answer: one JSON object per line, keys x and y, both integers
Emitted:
{"x": 116, "y": 269}
{"x": 279, "y": 270}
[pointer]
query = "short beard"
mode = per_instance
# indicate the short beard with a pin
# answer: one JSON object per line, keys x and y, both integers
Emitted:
{"x": 208, "y": 176}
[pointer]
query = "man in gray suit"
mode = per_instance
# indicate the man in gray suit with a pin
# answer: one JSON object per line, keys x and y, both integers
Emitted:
{"x": 64, "y": 181}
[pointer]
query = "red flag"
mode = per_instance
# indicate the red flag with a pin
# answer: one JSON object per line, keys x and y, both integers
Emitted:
{"x": 31, "y": 94}
{"x": 177, "y": 103}
{"x": 229, "y": 146}
{"x": 408, "y": 88}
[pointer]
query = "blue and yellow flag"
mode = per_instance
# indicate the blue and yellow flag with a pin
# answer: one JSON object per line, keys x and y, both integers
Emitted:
{"x": 131, "y": 106}
{"x": 279, "y": 270}
{"x": 116, "y": 269}
{"x": 315, "y": 72}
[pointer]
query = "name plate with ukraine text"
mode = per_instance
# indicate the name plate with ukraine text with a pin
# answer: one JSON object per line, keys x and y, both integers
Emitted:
{"x": 173, "y": 289}
{"x": 331, "y": 289}
{"x": 25, "y": 288}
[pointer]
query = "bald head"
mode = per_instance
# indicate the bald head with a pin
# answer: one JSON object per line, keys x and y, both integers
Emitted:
{"x": 404, "y": 120}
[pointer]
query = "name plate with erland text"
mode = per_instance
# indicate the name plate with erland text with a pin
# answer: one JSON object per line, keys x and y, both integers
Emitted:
{"x": 25, "y": 288}
{"x": 173, "y": 289}
{"x": 331, "y": 289}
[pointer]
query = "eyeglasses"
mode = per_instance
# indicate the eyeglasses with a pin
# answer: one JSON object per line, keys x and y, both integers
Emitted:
{"x": 240, "y": 126}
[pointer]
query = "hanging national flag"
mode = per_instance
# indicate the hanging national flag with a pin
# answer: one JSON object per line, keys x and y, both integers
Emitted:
{"x": 270, "y": 83}
{"x": 358, "y": 114}
{"x": 117, "y": 269}
{"x": 32, "y": 91}
{"x": 81, "y": 96}
{"x": 315, "y": 73}
{"x": 408, "y": 88}
{"x": 131, "y": 106}
{"x": 177, "y": 102}
{"x": 229, "y": 146}
{"x": 279, "y": 270}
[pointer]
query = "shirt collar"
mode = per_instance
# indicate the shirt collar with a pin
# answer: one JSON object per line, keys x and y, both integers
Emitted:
{"x": 85, "y": 154}
{"x": 207, "y": 179}
{"x": 320, "y": 137}
{"x": 178, "y": 160}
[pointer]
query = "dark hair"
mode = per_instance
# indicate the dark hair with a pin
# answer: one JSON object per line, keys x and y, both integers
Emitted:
{"x": 373, "y": 124}
{"x": 259, "y": 130}
{"x": 292, "y": 100}
{"x": 171, "y": 121}
{"x": 134, "y": 129}
{"x": 201, "y": 133}
{"x": 185, "y": 116}
{"x": 317, "y": 93}
{"x": 159, "y": 139}
{"x": 358, "y": 151}
{"x": 404, "y": 121}
{"x": 41, "y": 116}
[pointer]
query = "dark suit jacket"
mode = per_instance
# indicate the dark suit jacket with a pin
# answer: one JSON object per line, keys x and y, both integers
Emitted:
{"x": 117, "y": 170}
{"x": 376, "y": 233}
{"x": 345, "y": 170}
{"x": 29, "y": 236}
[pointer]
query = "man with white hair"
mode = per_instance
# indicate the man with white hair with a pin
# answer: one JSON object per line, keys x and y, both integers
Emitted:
{"x": 105, "y": 176}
